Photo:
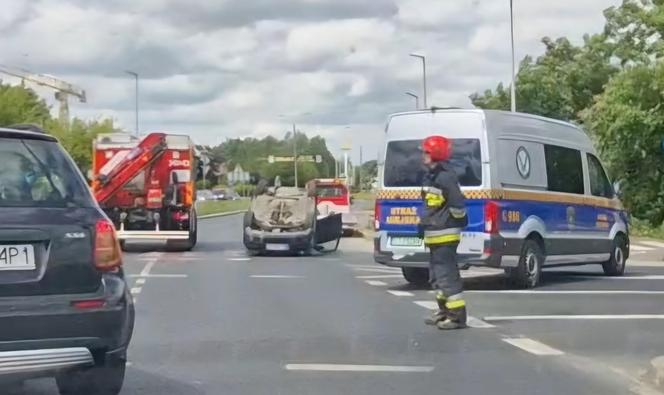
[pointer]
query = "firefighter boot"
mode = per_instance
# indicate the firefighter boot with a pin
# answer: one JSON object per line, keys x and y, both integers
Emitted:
{"x": 456, "y": 315}
{"x": 440, "y": 314}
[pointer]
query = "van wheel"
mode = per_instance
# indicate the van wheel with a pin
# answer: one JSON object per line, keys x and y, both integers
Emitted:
{"x": 615, "y": 266}
{"x": 529, "y": 271}
{"x": 415, "y": 275}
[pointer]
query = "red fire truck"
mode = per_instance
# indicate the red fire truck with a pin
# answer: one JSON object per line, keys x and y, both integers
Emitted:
{"x": 147, "y": 187}
{"x": 333, "y": 196}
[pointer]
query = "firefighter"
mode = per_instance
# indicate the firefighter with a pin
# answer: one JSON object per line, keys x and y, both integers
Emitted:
{"x": 444, "y": 218}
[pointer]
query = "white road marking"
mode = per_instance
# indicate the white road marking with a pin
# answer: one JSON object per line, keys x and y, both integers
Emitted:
{"x": 375, "y": 270}
{"x": 275, "y": 276}
{"x": 565, "y": 292}
{"x": 160, "y": 275}
{"x": 379, "y": 276}
{"x": 239, "y": 259}
{"x": 636, "y": 247}
{"x": 135, "y": 299}
{"x": 148, "y": 267}
{"x": 326, "y": 367}
{"x": 376, "y": 283}
{"x": 136, "y": 290}
{"x": 575, "y": 317}
{"x": 652, "y": 243}
{"x": 533, "y": 346}
{"x": 646, "y": 277}
{"x": 472, "y": 322}
{"x": 400, "y": 293}
{"x": 633, "y": 262}
{"x": 140, "y": 281}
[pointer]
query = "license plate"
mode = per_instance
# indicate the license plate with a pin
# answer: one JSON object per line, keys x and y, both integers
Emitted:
{"x": 276, "y": 247}
{"x": 17, "y": 257}
{"x": 406, "y": 241}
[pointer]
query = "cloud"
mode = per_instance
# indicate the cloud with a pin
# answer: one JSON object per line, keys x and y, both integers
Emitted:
{"x": 228, "y": 68}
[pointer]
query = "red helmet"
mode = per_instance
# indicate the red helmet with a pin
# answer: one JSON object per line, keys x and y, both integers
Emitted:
{"x": 438, "y": 147}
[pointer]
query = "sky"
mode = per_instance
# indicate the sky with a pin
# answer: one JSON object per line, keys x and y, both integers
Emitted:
{"x": 218, "y": 69}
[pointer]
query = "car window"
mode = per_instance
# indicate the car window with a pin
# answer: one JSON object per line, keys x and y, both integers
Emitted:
{"x": 403, "y": 163}
{"x": 330, "y": 191}
{"x": 599, "y": 182}
{"x": 564, "y": 171}
{"x": 38, "y": 173}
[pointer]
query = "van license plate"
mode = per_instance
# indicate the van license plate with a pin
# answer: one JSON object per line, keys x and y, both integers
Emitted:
{"x": 17, "y": 257}
{"x": 406, "y": 241}
{"x": 276, "y": 247}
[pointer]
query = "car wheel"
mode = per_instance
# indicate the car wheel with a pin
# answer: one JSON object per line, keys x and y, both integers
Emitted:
{"x": 615, "y": 266}
{"x": 104, "y": 379}
{"x": 529, "y": 271}
{"x": 185, "y": 245}
{"x": 416, "y": 275}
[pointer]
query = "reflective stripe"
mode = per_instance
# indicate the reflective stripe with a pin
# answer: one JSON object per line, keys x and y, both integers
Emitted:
{"x": 455, "y": 304}
{"x": 448, "y": 231}
{"x": 442, "y": 239}
{"x": 458, "y": 212}
{"x": 433, "y": 190}
{"x": 440, "y": 296}
{"x": 456, "y": 296}
{"x": 434, "y": 200}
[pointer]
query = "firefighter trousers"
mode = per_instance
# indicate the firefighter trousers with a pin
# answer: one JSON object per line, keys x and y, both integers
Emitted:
{"x": 443, "y": 270}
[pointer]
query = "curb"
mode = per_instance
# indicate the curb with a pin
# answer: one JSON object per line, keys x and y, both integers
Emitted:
{"x": 222, "y": 214}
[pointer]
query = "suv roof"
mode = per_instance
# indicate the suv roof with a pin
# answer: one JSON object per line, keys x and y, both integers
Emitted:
{"x": 29, "y": 132}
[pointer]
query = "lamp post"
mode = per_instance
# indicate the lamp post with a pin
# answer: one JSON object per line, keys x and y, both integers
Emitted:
{"x": 424, "y": 75}
{"x": 135, "y": 75}
{"x": 417, "y": 99}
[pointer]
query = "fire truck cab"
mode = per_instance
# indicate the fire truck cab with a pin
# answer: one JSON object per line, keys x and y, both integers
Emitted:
{"x": 147, "y": 186}
{"x": 333, "y": 196}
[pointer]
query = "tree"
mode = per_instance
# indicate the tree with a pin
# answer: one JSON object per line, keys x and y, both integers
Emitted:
{"x": 21, "y": 105}
{"x": 637, "y": 28}
{"x": 560, "y": 83}
{"x": 78, "y": 138}
{"x": 627, "y": 121}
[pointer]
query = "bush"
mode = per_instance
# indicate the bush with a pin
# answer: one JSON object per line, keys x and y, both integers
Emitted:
{"x": 245, "y": 189}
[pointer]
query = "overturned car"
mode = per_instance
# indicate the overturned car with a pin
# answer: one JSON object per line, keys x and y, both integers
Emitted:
{"x": 286, "y": 219}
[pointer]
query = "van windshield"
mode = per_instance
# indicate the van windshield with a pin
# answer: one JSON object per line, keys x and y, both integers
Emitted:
{"x": 403, "y": 163}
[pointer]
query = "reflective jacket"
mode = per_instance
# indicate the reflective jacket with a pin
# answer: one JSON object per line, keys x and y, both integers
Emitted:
{"x": 445, "y": 211}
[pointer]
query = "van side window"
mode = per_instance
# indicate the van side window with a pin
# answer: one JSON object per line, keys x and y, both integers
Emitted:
{"x": 563, "y": 169}
{"x": 599, "y": 182}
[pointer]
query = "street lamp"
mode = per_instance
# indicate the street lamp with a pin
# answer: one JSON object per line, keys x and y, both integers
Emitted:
{"x": 135, "y": 75}
{"x": 424, "y": 75}
{"x": 417, "y": 99}
{"x": 295, "y": 147}
{"x": 513, "y": 87}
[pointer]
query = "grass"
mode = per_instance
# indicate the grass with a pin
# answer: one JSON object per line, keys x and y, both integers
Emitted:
{"x": 221, "y": 206}
{"x": 642, "y": 228}
{"x": 364, "y": 196}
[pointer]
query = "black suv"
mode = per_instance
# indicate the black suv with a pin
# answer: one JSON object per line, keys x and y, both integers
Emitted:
{"x": 65, "y": 309}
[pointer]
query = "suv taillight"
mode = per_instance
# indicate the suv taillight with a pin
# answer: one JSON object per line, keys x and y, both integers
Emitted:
{"x": 377, "y": 215}
{"x": 108, "y": 256}
{"x": 491, "y": 216}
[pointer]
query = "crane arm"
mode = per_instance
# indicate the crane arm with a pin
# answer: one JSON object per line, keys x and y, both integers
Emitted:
{"x": 45, "y": 80}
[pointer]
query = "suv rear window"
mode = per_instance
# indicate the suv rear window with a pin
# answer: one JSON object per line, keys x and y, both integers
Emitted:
{"x": 403, "y": 163}
{"x": 36, "y": 173}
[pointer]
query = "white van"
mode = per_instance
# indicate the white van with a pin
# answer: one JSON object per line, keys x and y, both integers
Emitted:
{"x": 536, "y": 194}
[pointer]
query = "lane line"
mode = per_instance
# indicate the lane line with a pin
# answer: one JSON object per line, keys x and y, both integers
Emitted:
{"x": 140, "y": 281}
{"x": 275, "y": 276}
{"x": 471, "y": 321}
{"x": 239, "y": 259}
{"x": 160, "y": 275}
{"x": 354, "y": 266}
{"x": 135, "y": 299}
{"x": 400, "y": 293}
{"x": 148, "y": 267}
{"x": 646, "y": 277}
{"x": 636, "y": 247}
{"x": 136, "y": 290}
{"x": 636, "y": 263}
{"x": 375, "y": 270}
{"x": 376, "y": 283}
{"x": 651, "y": 243}
{"x": 575, "y": 317}
{"x": 563, "y": 292}
{"x": 533, "y": 346}
{"x": 379, "y": 276}
{"x": 327, "y": 367}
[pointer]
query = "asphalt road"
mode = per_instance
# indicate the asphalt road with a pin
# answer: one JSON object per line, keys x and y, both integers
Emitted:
{"x": 216, "y": 321}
